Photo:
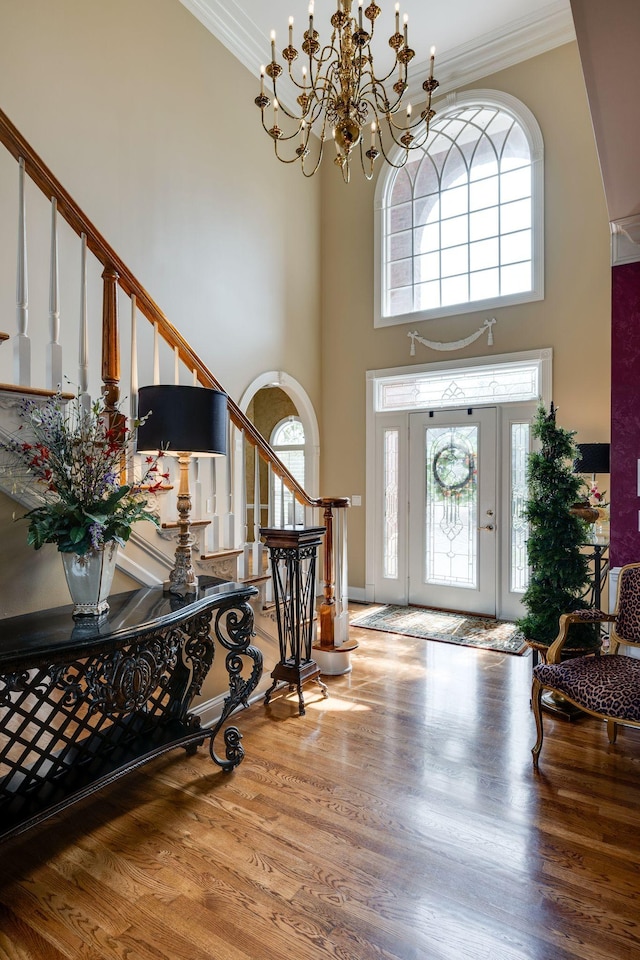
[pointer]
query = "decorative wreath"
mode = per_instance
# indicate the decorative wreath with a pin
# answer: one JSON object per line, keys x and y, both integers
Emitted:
{"x": 444, "y": 463}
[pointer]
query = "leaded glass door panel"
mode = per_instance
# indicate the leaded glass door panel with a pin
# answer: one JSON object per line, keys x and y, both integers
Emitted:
{"x": 452, "y": 507}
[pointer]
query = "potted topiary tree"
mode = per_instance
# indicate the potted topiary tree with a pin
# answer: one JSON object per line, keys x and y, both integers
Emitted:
{"x": 559, "y": 569}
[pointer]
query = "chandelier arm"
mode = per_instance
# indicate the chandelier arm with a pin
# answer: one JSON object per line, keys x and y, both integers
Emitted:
{"x": 367, "y": 176}
{"x": 316, "y": 165}
{"x": 396, "y": 166}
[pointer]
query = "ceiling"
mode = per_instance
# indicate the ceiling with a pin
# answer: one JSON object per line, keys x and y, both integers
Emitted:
{"x": 472, "y": 39}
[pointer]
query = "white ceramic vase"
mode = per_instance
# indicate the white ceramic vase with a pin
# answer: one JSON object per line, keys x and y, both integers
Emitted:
{"x": 89, "y": 578}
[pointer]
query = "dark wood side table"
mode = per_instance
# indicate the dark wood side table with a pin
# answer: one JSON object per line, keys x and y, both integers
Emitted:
{"x": 84, "y": 702}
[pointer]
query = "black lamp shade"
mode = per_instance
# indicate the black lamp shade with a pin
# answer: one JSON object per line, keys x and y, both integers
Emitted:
{"x": 182, "y": 419}
{"x": 593, "y": 458}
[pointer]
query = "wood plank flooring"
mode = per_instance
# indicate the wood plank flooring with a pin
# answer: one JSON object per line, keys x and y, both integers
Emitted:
{"x": 400, "y": 819}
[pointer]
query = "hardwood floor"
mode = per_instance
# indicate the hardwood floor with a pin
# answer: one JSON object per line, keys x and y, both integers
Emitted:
{"x": 398, "y": 820}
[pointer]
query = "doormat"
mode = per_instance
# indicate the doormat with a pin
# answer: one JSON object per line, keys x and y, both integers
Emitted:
{"x": 459, "y": 628}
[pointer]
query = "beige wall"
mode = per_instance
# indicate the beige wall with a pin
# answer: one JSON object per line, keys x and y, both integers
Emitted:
{"x": 573, "y": 319}
{"x": 149, "y": 123}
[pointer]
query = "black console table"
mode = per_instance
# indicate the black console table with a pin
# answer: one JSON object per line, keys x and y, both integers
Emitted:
{"x": 83, "y": 703}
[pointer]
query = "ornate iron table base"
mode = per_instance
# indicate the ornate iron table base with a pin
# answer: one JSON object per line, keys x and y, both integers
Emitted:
{"x": 82, "y": 705}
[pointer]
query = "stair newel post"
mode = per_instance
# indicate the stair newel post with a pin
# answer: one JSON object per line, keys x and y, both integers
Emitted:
{"x": 83, "y": 331}
{"x": 22, "y": 345}
{"x": 111, "y": 349}
{"x": 54, "y": 350}
{"x": 328, "y": 605}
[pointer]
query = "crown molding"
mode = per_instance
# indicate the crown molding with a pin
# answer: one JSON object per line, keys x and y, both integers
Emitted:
{"x": 625, "y": 240}
{"x": 550, "y": 26}
{"x": 234, "y": 29}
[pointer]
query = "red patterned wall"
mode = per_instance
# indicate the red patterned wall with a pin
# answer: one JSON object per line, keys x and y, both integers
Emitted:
{"x": 625, "y": 413}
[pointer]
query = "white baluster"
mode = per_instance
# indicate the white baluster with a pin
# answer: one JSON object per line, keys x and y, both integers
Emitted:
{"x": 212, "y": 505}
{"x": 195, "y": 378}
{"x": 22, "y": 345}
{"x": 229, "y": 519}
{"x": 133, "y": 384}
{"x": 257, "y": 543}
{"x": 83, "y": 332}
{"x": 156, "y": 353}
{"x": 176, "y": 366}
{"x": 54, "y": 350}
{"x": 245, "y": 560}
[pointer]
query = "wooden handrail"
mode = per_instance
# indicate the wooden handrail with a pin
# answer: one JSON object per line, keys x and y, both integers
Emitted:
{"x": 44, "y": 179}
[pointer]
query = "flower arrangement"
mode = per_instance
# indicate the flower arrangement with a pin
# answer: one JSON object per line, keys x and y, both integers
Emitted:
{"x": 76, "y": 458}
{"x": 596, "y": 499}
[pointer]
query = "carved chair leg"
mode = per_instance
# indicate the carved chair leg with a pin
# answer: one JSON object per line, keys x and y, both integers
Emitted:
{"x": 612, "y": 730}
{"x": 536, "y": 703}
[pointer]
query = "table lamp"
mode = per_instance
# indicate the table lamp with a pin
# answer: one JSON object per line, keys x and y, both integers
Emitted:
{"x": 182, "y": 422}
{"x": 593, "y": 458}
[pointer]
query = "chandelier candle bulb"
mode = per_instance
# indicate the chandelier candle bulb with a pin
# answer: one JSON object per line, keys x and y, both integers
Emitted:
{"x": 360, "y": 14}
{"x": 262, "y": 81}
{"x": 273, "y": 46}
{"x": 373, "y": 135}
{"x": 397, "y": 18}
{"x": 406, "y": 22}
{"x": 290, "y": 31}
{"x": 433, "y": 57}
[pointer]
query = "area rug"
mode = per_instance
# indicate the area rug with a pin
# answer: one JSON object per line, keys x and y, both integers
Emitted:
{"x": 467, "y": 631}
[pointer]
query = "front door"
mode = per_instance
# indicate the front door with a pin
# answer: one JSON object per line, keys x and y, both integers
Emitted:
{"x": 452, "y": 510}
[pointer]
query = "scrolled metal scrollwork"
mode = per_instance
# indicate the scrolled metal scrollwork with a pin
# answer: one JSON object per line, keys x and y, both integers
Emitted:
{"x": 233, "y": 630}
{"x": 12, "y": 683}
{"x": 237, "y": 629}
{"x": 122, "y": 682}
{"x": 198, "y": 651}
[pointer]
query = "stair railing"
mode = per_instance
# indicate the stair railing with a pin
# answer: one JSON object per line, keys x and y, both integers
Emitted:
{"x": 116, "y": 275}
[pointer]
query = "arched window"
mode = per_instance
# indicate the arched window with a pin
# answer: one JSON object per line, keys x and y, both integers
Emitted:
{"x": 288, "y": 441}
{"x": 460, "y": 226}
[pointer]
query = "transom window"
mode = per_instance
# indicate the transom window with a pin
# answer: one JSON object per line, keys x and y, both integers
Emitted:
{"x": 461, "y": 223}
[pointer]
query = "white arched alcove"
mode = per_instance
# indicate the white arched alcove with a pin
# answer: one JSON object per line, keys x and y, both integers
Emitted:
{"x": 306, "y": 412}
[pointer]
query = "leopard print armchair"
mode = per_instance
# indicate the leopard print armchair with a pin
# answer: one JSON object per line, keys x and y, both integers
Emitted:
{"x": 606, "y": 686}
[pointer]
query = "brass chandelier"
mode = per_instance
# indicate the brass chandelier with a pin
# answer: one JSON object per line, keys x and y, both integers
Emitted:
{"x": 339, "y": 94}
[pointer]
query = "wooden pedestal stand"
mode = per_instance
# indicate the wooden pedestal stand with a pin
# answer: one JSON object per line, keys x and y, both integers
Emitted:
{"x": 293, "y": 552}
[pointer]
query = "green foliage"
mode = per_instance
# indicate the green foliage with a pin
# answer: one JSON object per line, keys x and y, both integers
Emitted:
{"x": 559, "y": 575}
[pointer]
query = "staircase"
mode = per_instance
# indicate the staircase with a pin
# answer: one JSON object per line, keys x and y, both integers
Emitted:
{"x": 140, "y": 345}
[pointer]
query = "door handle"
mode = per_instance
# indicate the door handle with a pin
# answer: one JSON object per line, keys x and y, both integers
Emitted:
{"x": 487, "y": 526}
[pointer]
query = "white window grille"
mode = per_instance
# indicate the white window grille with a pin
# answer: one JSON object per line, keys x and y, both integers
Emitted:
{"x": 460, "y": 226}
{"x": 287, "y": 440}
